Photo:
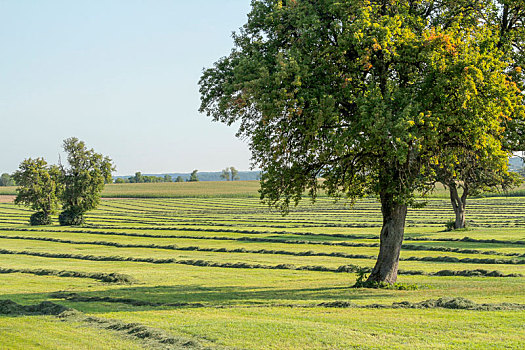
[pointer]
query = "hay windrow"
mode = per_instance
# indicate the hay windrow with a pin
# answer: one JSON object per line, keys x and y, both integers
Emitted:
{"x": 444, "y": 303}
{"x": 75, "y": 297}
{"x": 242, "y": 265}
{"x": 261, "y": 240}
{"x": 111, "y": 277}
{"x": 153, "y": 338}
{"x": 10, "y": 308}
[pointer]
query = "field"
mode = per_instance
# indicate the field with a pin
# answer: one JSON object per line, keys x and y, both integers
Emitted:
{"x": 214, "y": 268}
{"x": 213, "y": 189}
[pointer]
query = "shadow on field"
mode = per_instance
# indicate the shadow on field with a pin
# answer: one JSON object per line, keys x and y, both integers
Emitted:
{"x": 192, "y": 296}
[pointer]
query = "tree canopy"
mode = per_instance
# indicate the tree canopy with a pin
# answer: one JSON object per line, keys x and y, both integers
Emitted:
{"x": 464, "y": 168}
{"x": 367, "y": 94}
{"x": 83, "y": 180}
{"x": 193, "y": 176}
{"x": 6, "y": 180}
{"x": 39, "y": 188}
{"x": 230, "y": 173}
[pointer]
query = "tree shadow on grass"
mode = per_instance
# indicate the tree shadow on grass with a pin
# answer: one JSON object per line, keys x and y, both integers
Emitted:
{"x": 191, "y": 296}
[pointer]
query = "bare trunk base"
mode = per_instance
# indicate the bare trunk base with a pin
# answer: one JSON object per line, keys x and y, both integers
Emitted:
{"x": 460, "y": 217}
{"x": 391, "y": 239}
{"x": 459, "y": 203}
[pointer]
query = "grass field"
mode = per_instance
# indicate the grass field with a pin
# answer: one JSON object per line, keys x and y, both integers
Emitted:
{"x": 219, "y": 270}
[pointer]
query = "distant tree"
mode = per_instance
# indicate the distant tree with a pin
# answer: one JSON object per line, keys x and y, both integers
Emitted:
{"x": 121, "y": 180}
{"x": 234, "y": 173}
{"x": 137, "y": 178}
{"x": 83, "y": 180}
{"x": 38, "y": 188}
{"x": 6, "y": 180}
{"x": 193, "y": 176}
{"x": 225, "y": 174}
{"x": 179, "y": 179}
{"x": 230, "y": 173}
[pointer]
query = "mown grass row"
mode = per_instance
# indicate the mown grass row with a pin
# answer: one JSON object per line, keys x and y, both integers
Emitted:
{"x": 243, "y": 265}
{"x": 111, "y": 277}
{"x": 300, "y": 253}
{"x": 217, "y": 274}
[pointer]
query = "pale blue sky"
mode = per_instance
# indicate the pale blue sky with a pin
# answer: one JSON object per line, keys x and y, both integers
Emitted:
{"x": 120, "y": 75}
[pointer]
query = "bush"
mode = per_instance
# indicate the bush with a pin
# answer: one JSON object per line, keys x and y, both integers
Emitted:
{"x": 40, "y": 218}
{"x": 450, "y": 225}
{"x": 70, "y": 218}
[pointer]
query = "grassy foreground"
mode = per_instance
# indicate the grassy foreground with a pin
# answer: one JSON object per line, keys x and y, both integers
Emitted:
{"x": 216, "y": 272}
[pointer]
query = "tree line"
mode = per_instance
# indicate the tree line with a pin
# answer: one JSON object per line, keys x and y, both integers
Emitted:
{"x": 228, "y": 174}
{"x": 139, "y": 178}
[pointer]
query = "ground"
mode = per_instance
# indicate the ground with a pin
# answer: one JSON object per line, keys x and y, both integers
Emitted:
{"x": 213, "y": 271}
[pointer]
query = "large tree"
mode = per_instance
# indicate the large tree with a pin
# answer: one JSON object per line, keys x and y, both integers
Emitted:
{"x": 39, "y": 188}
{"x": 83, "y": 180}
{"x": 366, "y": 94}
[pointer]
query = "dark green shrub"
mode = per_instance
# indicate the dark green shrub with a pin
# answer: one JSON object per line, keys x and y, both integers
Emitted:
{"x": 450, "y": 225}
{"x": 40, "y": 218}
{"x": 70, "y": 218}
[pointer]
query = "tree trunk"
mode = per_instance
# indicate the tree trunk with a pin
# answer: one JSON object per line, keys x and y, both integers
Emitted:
{"x": 459, "y": 204}
{"x": 391, "y": 238}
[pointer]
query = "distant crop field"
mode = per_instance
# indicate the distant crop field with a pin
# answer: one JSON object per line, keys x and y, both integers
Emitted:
{"x": 183, "y": 189}
{"x": 214, "y": 272}
{"x": 217, "y": 189}
{"x": 7, "y": 190}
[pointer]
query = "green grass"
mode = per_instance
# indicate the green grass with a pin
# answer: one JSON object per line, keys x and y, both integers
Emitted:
{"x": 257, "y": 308}
{"x": 48, "y": 332}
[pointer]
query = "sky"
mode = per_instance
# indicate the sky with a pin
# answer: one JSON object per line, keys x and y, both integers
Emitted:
{"x": 120, "y": 75}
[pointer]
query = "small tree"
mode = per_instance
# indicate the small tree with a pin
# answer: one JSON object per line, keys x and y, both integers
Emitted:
{"x": 137, "y": 178}
{"x": 179, "y": 179}
{"x": 234, "y": 173}
{"x": 39, "y": 188}
{"x": 6, "y": 180}
{"x": 226, "y": 174}
{"x": 83, "y": 181}
{"x": 167, "y": 178}
{"x": 230, "y": 174}
{"x": 193, "y": 176}
{"x": 468, "y": 173}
